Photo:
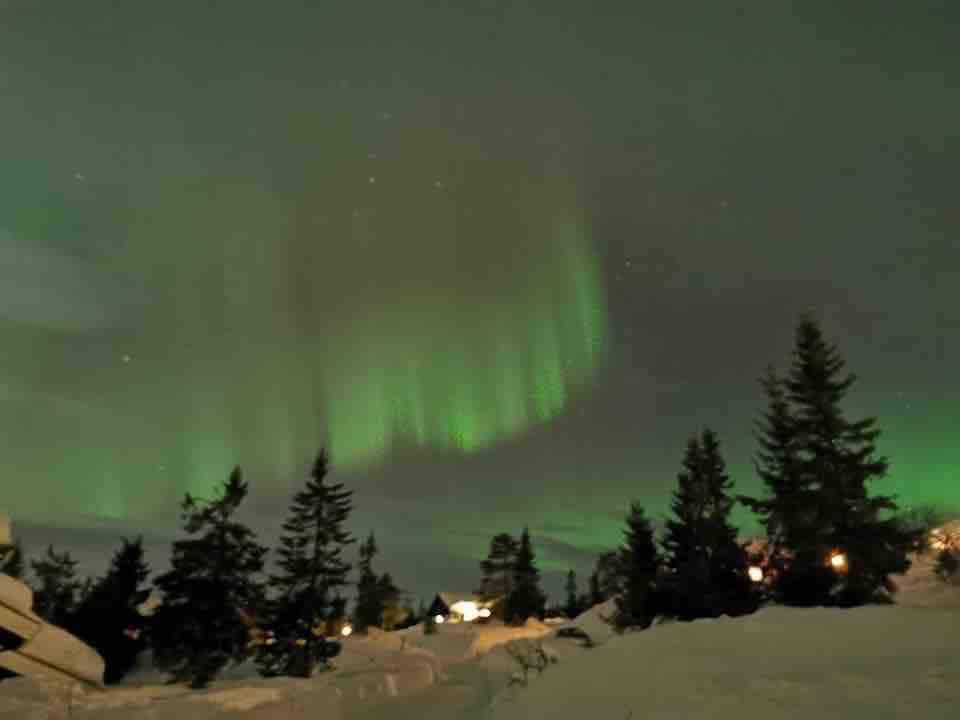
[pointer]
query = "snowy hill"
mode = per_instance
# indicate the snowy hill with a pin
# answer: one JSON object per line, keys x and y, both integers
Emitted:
{"x": 878, "y": 662}
{"x": 875, "y": 662}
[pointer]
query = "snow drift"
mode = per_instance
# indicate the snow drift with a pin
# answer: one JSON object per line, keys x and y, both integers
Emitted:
{"x": 875, "y": 662}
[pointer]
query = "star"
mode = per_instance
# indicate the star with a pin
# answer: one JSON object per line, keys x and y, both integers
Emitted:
{"x": 372, "y": 180}
{"x": 126, "y": 358}
{"x": 80, "y": 177}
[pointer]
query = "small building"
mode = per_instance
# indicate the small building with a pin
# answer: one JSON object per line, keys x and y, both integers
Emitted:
{"x": 465, "y": 607}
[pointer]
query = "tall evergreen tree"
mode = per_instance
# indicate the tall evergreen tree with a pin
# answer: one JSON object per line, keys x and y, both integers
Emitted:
{"x": 526, "y": 599}
{"x": 107, "y": 618}
{"x": 498, "y": 567}
{"x": 595, "y": 594}
{"x": 607, "y": 578}
{"x": 12, "y": 563}
{"x": 338, "y": 612}
{"x": 389, "y": 596}
{"x": 639, "y": 563}
{"x": 368, "y": 611}
{"x": 777, "y": 464}
{"x": 708, "y": 566}
{"x": 211, "y": 581}
{"x": 56, "y": 595}
{"x": 837, "y": 462}
{"x": 312, "y": 570}
{"x": 572, "y": 606}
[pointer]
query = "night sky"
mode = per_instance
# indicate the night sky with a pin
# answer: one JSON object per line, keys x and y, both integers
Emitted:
{"x": 501, "y": 258}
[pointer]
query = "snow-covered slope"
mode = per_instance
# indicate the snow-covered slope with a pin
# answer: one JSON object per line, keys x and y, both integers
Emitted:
{"x": 877, "y": 662}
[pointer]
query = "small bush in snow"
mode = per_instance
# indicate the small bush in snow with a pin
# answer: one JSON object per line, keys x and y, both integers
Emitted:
{"x": 529, "y": 655}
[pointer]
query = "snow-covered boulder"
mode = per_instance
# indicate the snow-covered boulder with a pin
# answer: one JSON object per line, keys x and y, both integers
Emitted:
{"x": 596, "y": 623}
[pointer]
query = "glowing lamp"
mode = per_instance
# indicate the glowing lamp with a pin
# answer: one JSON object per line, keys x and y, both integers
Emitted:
{"x": 756, "y": 573}
{"x": 484, "y": 612}
{"x": 346, "y": 630}
{"x": 938, "y": 539}
{"x": 838, "y": 560}
{"x": 438, "y": 619}
{"x": 466, "y": 609}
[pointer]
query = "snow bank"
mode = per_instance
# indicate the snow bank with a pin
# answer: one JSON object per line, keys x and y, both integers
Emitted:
{"x": 595, "y": 622}
{"x": 494, "y": 635}
{"x": 921, "y": 588}
{"x": 875, "y": 662}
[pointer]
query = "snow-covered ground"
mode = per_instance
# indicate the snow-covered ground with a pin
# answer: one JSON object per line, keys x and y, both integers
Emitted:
{"x": 875, "y": 662}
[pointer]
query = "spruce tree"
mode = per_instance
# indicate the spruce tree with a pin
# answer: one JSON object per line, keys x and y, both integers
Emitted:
{"x": 338, "y": 613}
{"x": 834, "y": 513}
{"x": 211, "y": 581}
{"x": 606, "y": 580}
{"x": 572, "y": 607}
{"x": 525, "y": 599}
{"x": 498, "y": 567}
{"x": 107, "y": 618}
{"x": 639, "y": 563}
{"x": 390, "y": 599}
{"x": 312, "y": 569}
{"x": 56, "y": 595}
{"x": 708, "y": 566}
{"x": 777, "y": 464}
{"x": 595, "y": 594}
{"x": 368, "y": 611}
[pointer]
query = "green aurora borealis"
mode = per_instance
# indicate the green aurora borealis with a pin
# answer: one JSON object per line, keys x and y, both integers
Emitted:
{"x": 500, "y": 260}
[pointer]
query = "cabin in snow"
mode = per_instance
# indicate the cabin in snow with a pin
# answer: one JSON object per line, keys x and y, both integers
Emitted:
{"x": 465, "y": 607}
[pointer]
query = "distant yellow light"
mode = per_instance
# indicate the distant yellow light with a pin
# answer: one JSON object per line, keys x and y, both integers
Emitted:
{"x": 756, "y": 573}
{"x": 466, "y": 609}
{"x": 438, "y": 619}
{"x": 938, "y": 539}
{"x": 346, "y": 630}
{"x": 838, "y": 560}
{"x": 484, "y": 612}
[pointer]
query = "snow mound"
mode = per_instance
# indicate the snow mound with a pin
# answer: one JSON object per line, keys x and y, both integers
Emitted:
{"x": 458, "y": 642}
{"x": 920, "y": 587}
{"x": 596, "y": 622}
{"x": 874, "y": 662}
{"x": 494, "y": 635}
